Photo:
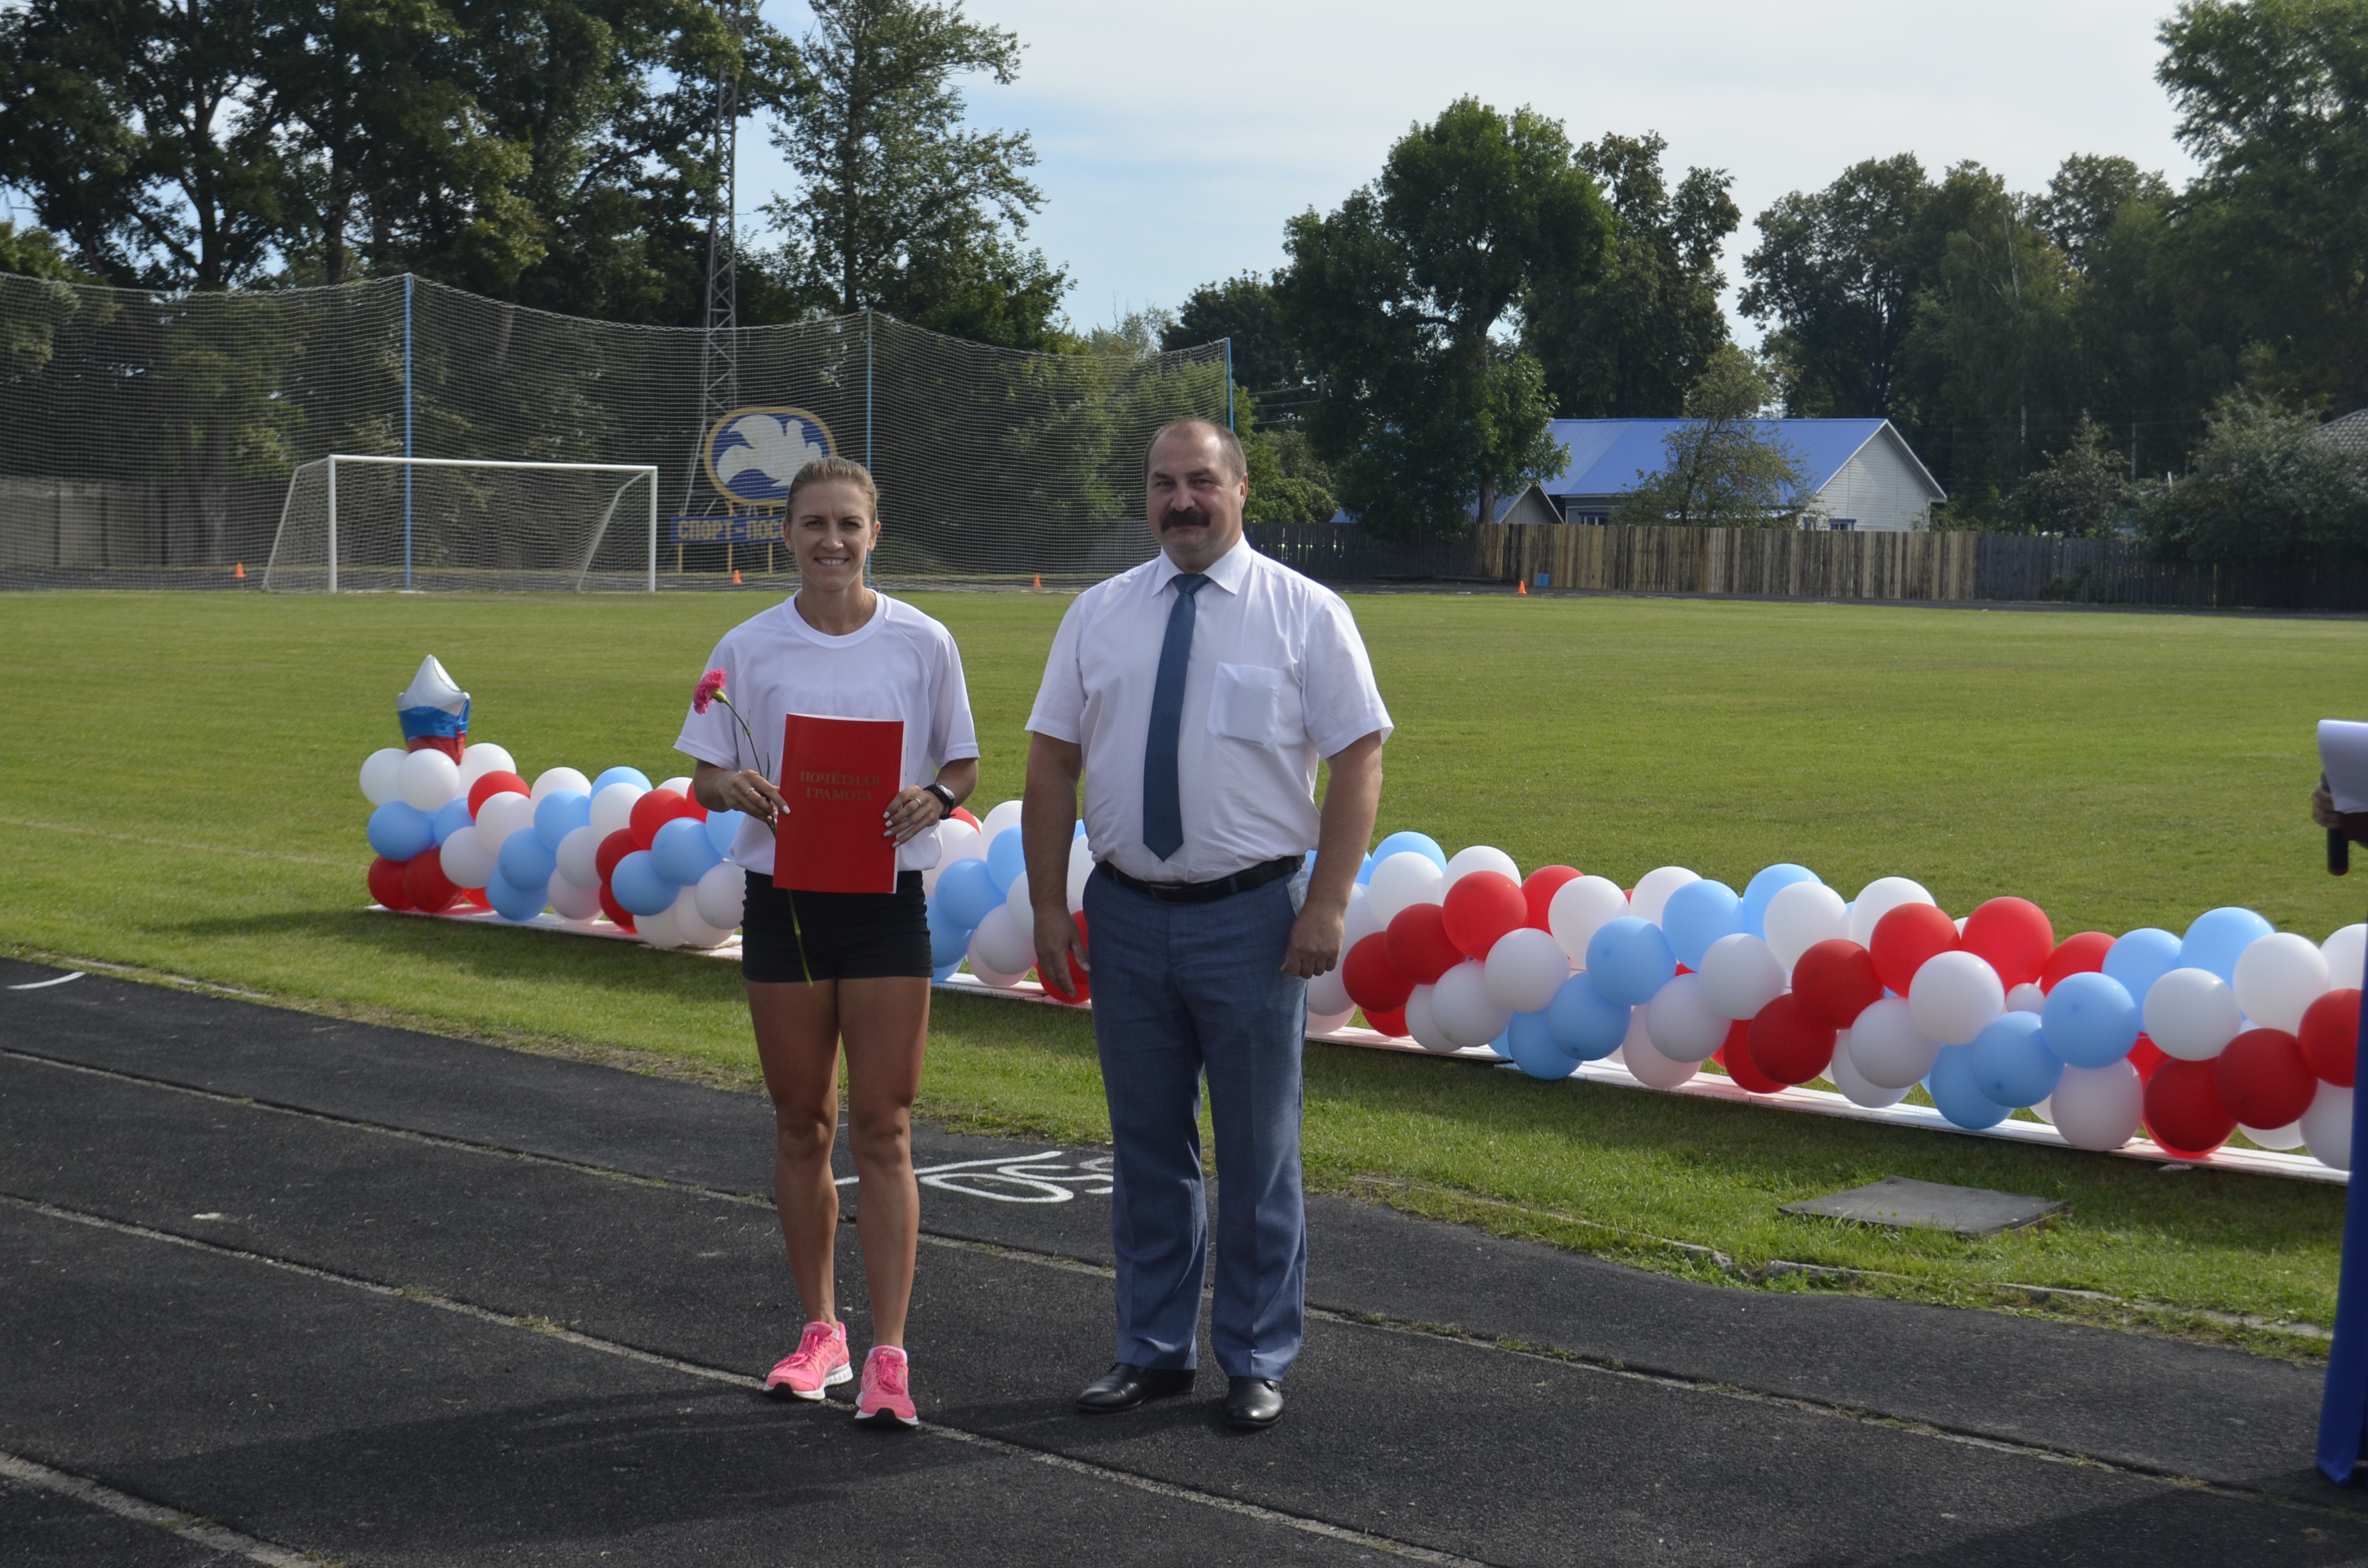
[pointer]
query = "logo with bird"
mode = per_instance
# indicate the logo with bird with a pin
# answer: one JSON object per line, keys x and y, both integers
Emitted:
{"x": 753, "y": 453}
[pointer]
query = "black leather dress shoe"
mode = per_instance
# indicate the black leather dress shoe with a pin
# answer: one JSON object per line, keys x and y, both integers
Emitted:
{"x": 1126, "y": 1385}
{"x": 1253, "y": 1405}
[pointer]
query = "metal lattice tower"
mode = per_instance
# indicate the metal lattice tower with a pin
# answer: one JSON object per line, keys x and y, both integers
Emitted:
{"x": 718, "y": 376}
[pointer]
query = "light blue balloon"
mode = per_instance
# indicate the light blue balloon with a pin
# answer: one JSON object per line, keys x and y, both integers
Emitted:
{"x": 2011, "y": 1061}
{"x": 637, "y": 885}
{"x": 2216, "y": 939}
{"x": 2140, "y": 958}
{"x": 966, "y": 891}
{"x": 1006, "y": 859}
{"x": 560, "y": 813}
{"x": 450, "y": 818}
{"x": 948, "y": 941}
{"x": 634, "y": 776}
{"x": 1528, "y": 1041}
{"x": 1698, "y": 915}
{"x": 1583, "y": 1023}
{"x": 526, "y": 861}
{"x": 1956, "y": 1096}
{"x": 399, "y": 830}
{"x": 945, "y": 972}
{"x": 510, "y": 901}
{"x": 1365, "y": 872}
{"x": 722, "y": 827}
{"x": 681, "y": 852}
{"x": 1419, "y": 843}
{"x": 1630, "y": 959}
{"x": 1765, "y": 886}
{"x": 1080, "y": 832}
{"x": 2091, "y": 1020}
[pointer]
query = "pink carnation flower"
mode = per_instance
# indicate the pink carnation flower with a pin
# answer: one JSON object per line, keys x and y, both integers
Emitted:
{"x": 710, "y": 685}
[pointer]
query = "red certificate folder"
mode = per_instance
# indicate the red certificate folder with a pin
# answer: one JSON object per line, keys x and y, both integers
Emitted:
{"x": 839, "y": 777}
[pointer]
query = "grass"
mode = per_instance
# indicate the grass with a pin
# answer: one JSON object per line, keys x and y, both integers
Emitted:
{"x": 179, "y": 796}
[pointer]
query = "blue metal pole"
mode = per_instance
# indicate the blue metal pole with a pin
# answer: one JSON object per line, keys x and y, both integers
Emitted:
{"x": 407, "y": 432}
{"x": 1229, "y": 383}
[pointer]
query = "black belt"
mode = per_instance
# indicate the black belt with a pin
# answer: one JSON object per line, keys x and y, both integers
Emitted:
{"x": 1257, "y": 876}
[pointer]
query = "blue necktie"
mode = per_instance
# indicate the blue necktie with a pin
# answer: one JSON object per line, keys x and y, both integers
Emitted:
{"x": 1163, "y": 801}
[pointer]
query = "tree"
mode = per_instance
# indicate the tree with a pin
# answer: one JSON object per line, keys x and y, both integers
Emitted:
{"x": 901, "y": 209}
{"x": 1289, "y": 483}
{"x": 2263, "y": 483}
{"x": 2081, "y": 493}
{"x": 1724, "y": 466}
{"x": 1245, "y": 309}
{"x": 1629, "y": 344}
{"x": 1396, "y": 298}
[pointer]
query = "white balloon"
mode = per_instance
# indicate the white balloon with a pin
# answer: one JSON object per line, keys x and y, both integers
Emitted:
{"x": 957, "y": 840}
{"x": 689, "y": 929}
{"x": 1740, "y": 975}
{"x": 2026, "y": 998}
{"x": 380, "y": 774}
{"x": 1421, "y": 1028}
{"x": 1955, "y": 997}
{"x": 1681, "y": 1024}
{"x": 1403, "y": 880}
{"x": 2193, "y": 1015}
{"x": 1643, "y": 1059}
{"x": 502, "y": 815}
{"x": 1878, "y": 898}
{"x": 1887, "y": 1048}
{"x": 1800, "y": 915}
{"x": 428, "y": 780}
{"x": 572, "y": 903}
{"x": 1361, "y": 922}
{"x": 1081, "y": 867}
{"x": 1479, "y": 857}
{"x": 1328, "y": 1023}
{"x": 1328, "y": 994}
{"x": 2326, "y": 1126}
{"x": 2098, "y": 1108}
{"x": 1525, "y": 969}
{"x": 1653, "y": 890}
{"x": 468, "y": 861}
{"x": 2345, "y": 952}
{"x": 1581, "y": 908}
{"x": 990, "y": 976}
{"x": 481, "y": 757}
{"x": 1461, "y": 1007}
{"x": 552, "y": 779}
{"x": 2279, "y": 1138}
{"x": 613, "y": 807}
{"x": 680, "y": 783}
{"x": 1004, "y": 815}
{"x": 1007, "y": 947}
{"x": 723, "y": 892}
{"x": 1854, "y": 1084}
{"x": 2278, "y": 977}
{"x": 579, "y": 857}
{"x": 1016, "y": 902}
{"x": 658, "y": 930}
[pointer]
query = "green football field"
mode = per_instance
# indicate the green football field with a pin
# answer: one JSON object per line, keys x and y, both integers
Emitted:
{"x": 179, "y": 796}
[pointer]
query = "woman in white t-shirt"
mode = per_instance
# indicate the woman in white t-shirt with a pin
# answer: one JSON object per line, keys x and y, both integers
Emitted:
{"x": 822, "y": 967}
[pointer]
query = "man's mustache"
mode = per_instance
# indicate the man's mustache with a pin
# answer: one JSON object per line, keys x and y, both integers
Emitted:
{"x": 1183, "y": 517}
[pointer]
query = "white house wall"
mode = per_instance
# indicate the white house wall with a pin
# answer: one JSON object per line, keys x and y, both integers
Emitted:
{"x": 1877, "y": 490}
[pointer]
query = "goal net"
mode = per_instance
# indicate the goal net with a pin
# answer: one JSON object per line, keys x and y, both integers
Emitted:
{"x": 179, "y": 440}
{"x": 357, "y": 524}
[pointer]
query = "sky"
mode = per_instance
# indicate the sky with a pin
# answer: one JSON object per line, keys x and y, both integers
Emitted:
{"x": 1173, "y": 143}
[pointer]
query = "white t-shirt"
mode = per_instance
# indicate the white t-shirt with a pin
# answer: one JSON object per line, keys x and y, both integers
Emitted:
{"x": 898, "y": 665}
{"x": 1278, "y": 679}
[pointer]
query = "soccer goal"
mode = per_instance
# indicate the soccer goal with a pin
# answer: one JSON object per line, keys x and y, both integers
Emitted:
{"x": 353, "y": 523}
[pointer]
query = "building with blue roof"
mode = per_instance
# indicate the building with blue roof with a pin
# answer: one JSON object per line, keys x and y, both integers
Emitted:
{"x": 1862, "y": 474}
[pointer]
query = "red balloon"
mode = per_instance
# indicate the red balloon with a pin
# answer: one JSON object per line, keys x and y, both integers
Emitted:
{"x": 1481, "y": 907}
{"x": 2263, "y": 1078}
{"x": 494, "y": 783}
{"x": 2146, "y": 1056}
{"x": 474, "y": 898}
{"x": 2183, "y": 1112}
{"x": 962, "y": 813}
{"x": 1906, "y": 937}
{"x": 1786, "y": 1044}
{"x": 653, "y": 812}
{"x": 386, "y": 883}
{"x": 425, "y": 883}
{"x": 1540, "y": 888}
{"x": 1836, "y": 981}
{"x": 1736, "y": 1057}
{"x": 2330, "y": 1037}
{"x": 613, "y": 848}
{"x": 1419, "y": 948}
{"x": 617, "y": 913}
{"x": 1079, "y": 987}
{"x": 2013, "y": 937}
{"x": 1372, "y": 981}
{"x": 1390, "y": 1021}
{"x": 2083, "y": 954}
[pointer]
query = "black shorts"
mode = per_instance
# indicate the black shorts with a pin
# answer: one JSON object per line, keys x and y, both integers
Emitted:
{"x": 847, "y": 936}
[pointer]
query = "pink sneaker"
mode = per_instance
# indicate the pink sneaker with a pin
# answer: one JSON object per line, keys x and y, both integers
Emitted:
{"x": 886, "y": 1387}
{"x": 819, "y": 1362}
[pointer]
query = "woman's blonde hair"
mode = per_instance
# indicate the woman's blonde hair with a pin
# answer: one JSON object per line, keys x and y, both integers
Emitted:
{"x": 835, "y": 471}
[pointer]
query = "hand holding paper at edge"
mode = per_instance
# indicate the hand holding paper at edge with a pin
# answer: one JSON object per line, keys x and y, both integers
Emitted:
{"x": 2343, "y": 755}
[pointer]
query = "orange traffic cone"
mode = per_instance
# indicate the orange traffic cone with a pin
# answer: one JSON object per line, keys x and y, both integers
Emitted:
{"x": 241, "y": 569}
{"x": 1040, "y": 579}
{"x": 736, "y": 576}
{"x": 1521, "y": 587}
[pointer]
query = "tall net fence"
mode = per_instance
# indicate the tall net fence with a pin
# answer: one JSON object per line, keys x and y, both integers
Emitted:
{"x": 151, "y": 440}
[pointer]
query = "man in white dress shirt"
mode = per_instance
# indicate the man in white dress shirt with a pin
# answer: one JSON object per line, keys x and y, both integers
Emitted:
{"x": 1194, "y": 696}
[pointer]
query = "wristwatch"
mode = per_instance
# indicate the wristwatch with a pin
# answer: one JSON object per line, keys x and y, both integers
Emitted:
{"x": 945, "y": 798}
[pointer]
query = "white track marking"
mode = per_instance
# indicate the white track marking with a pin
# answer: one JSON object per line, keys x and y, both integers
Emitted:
{"x": 187, "y": 1526}
{"x": 45, "y": 984}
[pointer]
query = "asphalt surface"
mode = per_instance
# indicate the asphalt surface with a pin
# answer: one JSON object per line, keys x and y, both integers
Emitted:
{"x": 390, "y": 1299}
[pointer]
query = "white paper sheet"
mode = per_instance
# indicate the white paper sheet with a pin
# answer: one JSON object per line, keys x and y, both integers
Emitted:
{"x": 2343, "y": 756}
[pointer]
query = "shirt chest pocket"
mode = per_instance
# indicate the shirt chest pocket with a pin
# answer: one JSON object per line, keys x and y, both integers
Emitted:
{"x": 1255, "y": 704}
